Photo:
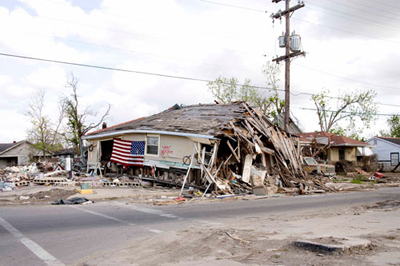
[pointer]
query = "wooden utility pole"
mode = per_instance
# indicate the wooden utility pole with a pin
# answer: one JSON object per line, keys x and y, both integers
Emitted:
{"x": 288, "y": 55}
{"x": 287, "y": 68}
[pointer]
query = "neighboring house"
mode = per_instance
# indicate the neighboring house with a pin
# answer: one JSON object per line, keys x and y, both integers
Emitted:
{"x": 17, "y": 153}
{"x": 387, "y": 151}
{"x": 338, "y": 148}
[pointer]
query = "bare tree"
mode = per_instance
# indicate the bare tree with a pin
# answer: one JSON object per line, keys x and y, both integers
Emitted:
{"x": 76, "y": 119}
{"x": 42, "y": 135}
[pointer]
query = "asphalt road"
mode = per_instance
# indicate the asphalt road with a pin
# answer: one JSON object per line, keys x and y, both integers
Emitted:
{"x": 63, "y": 235}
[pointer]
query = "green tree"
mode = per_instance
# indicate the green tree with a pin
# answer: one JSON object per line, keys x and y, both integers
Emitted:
{"x": 350, "y": 108}
{"x": 229, "y": 90}
{"x": 42, "y": 134}
{"x": 77, "y": 126}
{"x": 394, "y": 127}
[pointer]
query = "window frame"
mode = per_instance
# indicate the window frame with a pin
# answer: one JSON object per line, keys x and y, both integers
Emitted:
{"x": 391, "y": 158}
{"x": 158, "y": 145}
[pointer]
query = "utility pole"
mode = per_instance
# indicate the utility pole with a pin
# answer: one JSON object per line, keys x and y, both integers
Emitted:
{"x": 291, "y": 43}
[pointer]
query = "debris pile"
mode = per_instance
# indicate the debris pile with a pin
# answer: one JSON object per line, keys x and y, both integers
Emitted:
{"x": 53, "y": 173}
{"x": 255, "y": 156}
{"x": 41, "y": 173}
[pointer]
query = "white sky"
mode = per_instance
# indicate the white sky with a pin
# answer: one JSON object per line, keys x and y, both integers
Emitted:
{"x": 351, "y": 45}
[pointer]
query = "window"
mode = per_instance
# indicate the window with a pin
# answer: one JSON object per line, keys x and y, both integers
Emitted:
{"x": 310, "y": 161}
{"x": 152, "y": 145}
{"x": 342, "y": 155}
{"x": 394, "y": 158}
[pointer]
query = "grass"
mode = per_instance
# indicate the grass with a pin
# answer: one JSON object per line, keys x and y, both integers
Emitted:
{"x": 360, "y": 179}
{"x": 340, "y": 180}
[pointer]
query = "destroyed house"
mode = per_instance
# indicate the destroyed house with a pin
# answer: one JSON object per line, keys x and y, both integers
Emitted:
{"x": 229, "y": 148}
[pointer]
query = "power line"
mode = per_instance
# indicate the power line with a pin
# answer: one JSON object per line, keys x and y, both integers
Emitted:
{"x": 157, "y": 74}
{"x": 337, "y": 76}
{"x": 339, "y": 98}
{"x": 120, "y": 49}
{"x": 104, "y": 68}
{"x": 147, "y": 21}
{"x": 346, "y": 31}
{"x": 332, "y": 111}
{"x": 352, "y": 19}
{"x": 374, "y": 8}
{"x": 380, "y": 3}
{"x": 357, "y": 9}
{"x": 233, "y": 6}
{"x": 147, "y": 35}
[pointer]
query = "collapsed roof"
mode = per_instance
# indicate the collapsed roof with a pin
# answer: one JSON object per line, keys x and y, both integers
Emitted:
{"x": 203, "y": 119}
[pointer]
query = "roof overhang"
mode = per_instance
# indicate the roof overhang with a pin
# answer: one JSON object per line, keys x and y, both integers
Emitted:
{"x": 350, "y": 145}
{"x": 134, "y": 131}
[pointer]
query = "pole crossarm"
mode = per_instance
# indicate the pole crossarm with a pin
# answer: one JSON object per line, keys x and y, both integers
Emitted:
{"x": 286, "y": 14}
{"x": 283, "y": 13}
{"x": 284, "y": 57}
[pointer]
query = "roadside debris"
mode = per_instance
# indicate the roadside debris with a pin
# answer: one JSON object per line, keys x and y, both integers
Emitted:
{"x": 73, "y": 201}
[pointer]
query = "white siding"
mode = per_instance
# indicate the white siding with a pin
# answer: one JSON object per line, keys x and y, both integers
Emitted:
{"x": 172, "y": 149}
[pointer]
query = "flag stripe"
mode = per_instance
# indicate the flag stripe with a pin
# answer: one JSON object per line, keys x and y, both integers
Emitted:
{"x": 128, "y": 153}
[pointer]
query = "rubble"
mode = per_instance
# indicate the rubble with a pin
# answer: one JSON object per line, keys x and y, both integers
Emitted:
{"x": 250, "y": 155}
{"x": 255, "y": 156}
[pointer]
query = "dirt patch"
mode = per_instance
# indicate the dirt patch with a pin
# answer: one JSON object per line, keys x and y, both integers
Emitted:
{"x": 385, "y": 205}
{"x": 200, "y": 245}
{"x": 212, "y": 246}
{"x": 50, "y": 195}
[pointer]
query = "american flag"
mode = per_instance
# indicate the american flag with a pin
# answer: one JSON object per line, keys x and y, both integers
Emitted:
{"x": 128, "y": 153}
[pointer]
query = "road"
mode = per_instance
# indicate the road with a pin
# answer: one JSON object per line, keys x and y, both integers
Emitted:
{"x": 65, "y": 235}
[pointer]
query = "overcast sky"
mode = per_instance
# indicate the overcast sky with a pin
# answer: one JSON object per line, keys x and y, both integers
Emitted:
{"x": 351, "y": 45}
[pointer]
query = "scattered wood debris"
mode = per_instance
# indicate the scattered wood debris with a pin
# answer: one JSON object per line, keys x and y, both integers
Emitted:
{"x": 255, "y": 156}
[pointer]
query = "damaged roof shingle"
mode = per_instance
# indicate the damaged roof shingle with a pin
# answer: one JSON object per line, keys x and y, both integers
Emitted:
{"x": 197, "y": 119}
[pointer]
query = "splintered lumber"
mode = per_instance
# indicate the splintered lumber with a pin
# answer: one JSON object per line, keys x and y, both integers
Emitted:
{"x": 247, "y": 168}
{"x": 253, "y": 140}
{"x": 233, "y": 151}
{"x": 262, "y": 147}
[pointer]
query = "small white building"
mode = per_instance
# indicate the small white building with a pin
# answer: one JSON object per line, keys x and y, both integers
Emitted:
{"x": 387, "y": 151}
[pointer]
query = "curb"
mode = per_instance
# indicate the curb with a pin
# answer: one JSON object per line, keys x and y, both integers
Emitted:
{"x": 347, "y": 245}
